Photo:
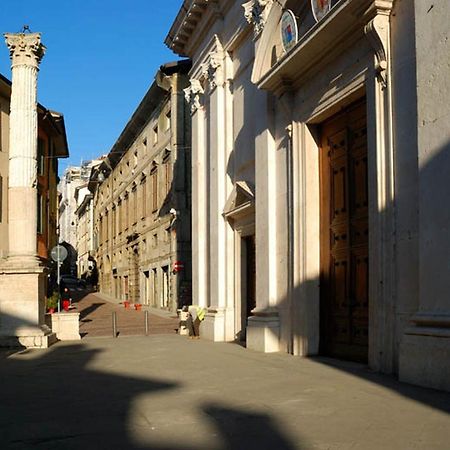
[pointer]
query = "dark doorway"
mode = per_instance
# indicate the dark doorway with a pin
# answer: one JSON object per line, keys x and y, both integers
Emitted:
{"x": 248, "y": 280}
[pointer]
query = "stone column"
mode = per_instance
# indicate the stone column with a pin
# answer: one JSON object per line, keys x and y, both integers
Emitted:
{"x": 26, "y": 52}
{"x": 22, "y": 296}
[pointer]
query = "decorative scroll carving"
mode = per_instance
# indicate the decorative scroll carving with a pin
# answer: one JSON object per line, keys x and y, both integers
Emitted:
{"x": 256, "y": 12}
{"x": 377, "y": 32}
{"x": 212, "y": 69}
{"x": 25, "y": 49}
{"x": 193, "y": 94}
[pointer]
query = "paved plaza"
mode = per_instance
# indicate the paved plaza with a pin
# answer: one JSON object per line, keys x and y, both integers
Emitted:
{"x": 169, "y": 392}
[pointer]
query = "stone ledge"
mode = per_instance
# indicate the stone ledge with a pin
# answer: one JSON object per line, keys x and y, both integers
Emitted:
{"x": 66, "y": 325}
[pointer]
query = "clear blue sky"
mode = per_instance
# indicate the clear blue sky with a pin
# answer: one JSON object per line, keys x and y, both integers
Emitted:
{"x": 101, "y": 58}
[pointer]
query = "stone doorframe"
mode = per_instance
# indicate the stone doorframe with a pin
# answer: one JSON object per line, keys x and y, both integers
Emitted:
{"x": 305, "y": 102}
{"x": 239, "y": 211}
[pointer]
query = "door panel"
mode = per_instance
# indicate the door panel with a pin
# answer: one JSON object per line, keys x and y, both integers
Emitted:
{"x": 344, "y": 234}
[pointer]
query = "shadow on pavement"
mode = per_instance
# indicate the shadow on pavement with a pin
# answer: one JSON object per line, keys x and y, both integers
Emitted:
{"x": 90, "y": 309}
{"x": 435, "y": 399}
{"x": 244, "y": 430}
{"x": 57, "y": 401}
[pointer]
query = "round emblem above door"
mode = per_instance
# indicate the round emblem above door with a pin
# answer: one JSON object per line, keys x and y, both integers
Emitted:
{"x": 320, "y": 8}
{"x": 289, "y": 30}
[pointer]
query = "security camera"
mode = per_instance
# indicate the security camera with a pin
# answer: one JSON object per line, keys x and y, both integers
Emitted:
{"x": 173, "y": 211}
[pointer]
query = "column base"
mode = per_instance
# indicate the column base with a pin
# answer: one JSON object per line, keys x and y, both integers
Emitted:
{"x": 263, "y": 332}
{"x": 218, "y": 325}
{"x": 22, "y": 305}
{"x": 41, "y": 337}
{"x": 425, "y": 357}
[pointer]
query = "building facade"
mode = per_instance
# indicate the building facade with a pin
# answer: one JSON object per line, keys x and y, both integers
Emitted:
{"x": 85, "y": 224}
{"x": 142, "y": 200}
{"x": 347, "y": 157}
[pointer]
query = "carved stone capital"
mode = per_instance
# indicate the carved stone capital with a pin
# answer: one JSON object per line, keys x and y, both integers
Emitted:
{"x": 256, "y": 12}
{"x": 193, "y": 94}
{"x": 377, "y": 32}
{"x": 25, "y": 49}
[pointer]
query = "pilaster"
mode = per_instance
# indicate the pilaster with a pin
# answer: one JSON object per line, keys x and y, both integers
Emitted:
{"x": 425, "y": 346}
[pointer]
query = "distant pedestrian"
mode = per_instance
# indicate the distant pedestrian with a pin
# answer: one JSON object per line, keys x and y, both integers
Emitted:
{"x": 194, "y": 319}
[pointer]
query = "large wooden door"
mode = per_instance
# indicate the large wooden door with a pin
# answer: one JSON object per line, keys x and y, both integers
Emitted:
{"x": 344, "y": 235}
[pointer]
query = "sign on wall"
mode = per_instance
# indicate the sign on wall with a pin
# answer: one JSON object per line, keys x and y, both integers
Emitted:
{"x": 289, "y": 30}
{"x": 320, "y": 8}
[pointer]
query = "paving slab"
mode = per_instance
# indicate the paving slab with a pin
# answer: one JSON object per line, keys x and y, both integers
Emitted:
{"x": 169, "y": 392}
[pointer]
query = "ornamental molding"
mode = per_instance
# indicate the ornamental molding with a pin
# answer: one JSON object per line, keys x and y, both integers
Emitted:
{"x": 256, "y": 12}
{"x": 25, "y": 49}
{"x": 377, "y": 32}
{"x": 194, "y": 94}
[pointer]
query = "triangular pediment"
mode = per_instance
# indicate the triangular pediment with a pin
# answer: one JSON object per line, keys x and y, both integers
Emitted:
{"x": 241, "y": 199}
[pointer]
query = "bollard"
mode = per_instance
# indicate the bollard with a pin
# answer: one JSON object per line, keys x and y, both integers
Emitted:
{"x": 114, "y": 324}
{"x": 146, "y": 322}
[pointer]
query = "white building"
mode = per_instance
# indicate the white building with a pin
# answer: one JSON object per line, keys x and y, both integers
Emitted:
{"x": 68, "y": 184}
{"x": 328, "y": 153}
{"x": 85, "y": 222}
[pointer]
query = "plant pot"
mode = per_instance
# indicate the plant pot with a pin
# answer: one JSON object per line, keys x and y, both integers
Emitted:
{"x": 66, "y": 305}
{"x": 126, "y": 304}
{"x": 51, "y": 310}
{"x": 137, "y": 306}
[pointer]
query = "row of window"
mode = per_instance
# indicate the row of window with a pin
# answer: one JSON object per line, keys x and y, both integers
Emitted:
{"x": 135, "y": 203}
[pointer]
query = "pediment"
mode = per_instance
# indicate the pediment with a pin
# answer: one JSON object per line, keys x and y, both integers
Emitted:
{"x": 277, "y": 70}
{"x": 241, "y": 200}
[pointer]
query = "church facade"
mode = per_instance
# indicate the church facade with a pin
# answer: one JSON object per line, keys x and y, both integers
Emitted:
{"x": 319, "y": 153}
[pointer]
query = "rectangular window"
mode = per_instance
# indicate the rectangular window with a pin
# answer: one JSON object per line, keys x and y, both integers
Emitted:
{"x": 41, "y": 157}
{"x": 40, "y": 212}
{"x": 154, "y": 178}
{"x": 155, "y": 134}
{"x": 167, "y": 172}
{"x": 167, "y": 120}
{"x": 144, "y": 198}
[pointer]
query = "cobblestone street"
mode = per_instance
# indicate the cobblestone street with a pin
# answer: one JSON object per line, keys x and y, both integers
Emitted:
{"x": 96, "y": 317}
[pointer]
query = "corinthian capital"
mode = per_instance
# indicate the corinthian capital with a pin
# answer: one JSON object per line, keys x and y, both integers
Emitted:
{"x": 193, "y": 94}
{"x": 25, "y": 49}
{"x": 256, "y": 12}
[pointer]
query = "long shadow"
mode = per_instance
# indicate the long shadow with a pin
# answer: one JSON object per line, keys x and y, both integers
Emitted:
{"x": 57, "y": 400}
{"x": 244, "y": 430}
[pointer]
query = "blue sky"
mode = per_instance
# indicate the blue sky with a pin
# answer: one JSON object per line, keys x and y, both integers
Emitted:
{"x": 101, "y": 58}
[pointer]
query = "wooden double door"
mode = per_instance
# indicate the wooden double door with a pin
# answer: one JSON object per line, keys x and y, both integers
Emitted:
{"x": 344, "y": 235}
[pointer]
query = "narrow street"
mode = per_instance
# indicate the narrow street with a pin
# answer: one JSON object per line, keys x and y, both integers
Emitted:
{"x": 96, "y": 317}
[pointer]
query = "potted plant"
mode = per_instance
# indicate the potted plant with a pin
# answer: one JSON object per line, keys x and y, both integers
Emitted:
{"x": 52, "y": 302}
{"x": 137, "y": 306}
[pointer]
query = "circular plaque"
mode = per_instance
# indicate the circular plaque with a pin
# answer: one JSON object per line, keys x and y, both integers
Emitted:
{"x": 320, "y": 8}
{"x": 289, "y": 30}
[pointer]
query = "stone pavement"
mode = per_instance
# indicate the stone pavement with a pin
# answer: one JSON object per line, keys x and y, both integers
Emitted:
{"x": 96, "y": 317}
{"x": 169, "y": 392}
